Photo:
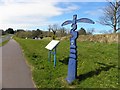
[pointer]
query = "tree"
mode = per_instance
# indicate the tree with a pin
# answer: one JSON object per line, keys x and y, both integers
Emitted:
{"x": 37, "y": 33}
{"x": 61, "y": 32}
{"x": 24, "y": 34}
{"x": 54, "y": 29}
{"x": 82, "y": 31}
{"x": 111, "y": 15}
{"x": 90, "y": 31}
{"x": 19, "y": 30}
{"x": 2, "y": 32}
{"x": 10, "y": 31}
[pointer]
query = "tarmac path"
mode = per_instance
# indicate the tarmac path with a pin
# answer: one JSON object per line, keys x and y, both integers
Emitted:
{"x": 2, "y": 39}
{"x": 15, "y": 71}
{"x": 0, "y": 68}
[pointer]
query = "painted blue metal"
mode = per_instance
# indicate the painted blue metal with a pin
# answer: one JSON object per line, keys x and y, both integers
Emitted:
{"x": 72, "y": 51}
{"x": 54, "y": 57}
{"x": 72, "y": 64}
{"x": 85, "y": 20}
{"x": 49, "y": 55}
{"x": 73, "y": 55}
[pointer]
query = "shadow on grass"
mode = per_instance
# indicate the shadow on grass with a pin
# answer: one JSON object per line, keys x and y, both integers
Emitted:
{"x": 95, "y": 72}
{"x": 65, "y": 60}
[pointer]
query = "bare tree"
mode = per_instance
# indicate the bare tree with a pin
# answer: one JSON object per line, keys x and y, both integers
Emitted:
{"x": 54, "y": 29}
{"x": 90, "y": 31}
{"x": 111, "y": 15}
{"x": 61, "y": 32}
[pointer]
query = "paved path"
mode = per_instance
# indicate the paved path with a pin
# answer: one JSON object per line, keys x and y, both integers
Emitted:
{"x": 0, "y": 68}
{"x": 2, "y": 39}
{"x": 15, "y": 71}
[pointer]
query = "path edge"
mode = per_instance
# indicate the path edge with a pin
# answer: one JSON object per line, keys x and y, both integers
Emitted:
{"x": 26, "y": 62}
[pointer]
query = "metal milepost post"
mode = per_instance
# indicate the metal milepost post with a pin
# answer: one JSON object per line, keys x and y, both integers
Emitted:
{"x": 72, "y": 65}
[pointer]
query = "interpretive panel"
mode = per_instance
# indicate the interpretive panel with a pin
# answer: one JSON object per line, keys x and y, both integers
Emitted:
{"x": 52, "y": 44}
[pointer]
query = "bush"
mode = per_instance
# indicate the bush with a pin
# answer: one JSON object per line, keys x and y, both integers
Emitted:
{"x": 82, "y": 31}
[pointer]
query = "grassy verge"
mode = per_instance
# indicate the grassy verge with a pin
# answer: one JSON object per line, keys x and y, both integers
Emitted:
{"x": 97, "y": 64}
{"x": 3, "y": 43}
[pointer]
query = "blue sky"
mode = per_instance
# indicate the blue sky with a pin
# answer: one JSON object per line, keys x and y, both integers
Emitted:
{"x": 33, "y": 14}
{"x": 91, "y": 10}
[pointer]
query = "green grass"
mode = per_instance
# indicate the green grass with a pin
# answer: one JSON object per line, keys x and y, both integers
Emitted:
{"x": 97, "y": 64}
{"x": 3, "y": 43}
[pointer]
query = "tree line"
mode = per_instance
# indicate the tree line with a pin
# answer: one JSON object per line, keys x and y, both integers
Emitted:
{"x": 7, "y": 31}
{"x": 53, "y": 32}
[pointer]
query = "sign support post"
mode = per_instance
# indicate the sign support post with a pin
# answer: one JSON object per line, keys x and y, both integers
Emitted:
{"x": 49, "y": 55}
{"x": 54, "y": 57}
{"x": 52, "y": 50}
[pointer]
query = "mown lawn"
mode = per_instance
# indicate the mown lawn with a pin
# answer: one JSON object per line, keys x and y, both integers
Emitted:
{"x": 97, "y": 64}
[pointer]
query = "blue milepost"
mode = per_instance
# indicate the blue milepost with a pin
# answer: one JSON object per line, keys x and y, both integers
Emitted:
{"x": 72, "y": 65}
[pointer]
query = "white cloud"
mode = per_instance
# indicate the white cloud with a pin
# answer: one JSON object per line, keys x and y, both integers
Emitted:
{"x": 27, "y": 13}
{"x": 9, "y": 1}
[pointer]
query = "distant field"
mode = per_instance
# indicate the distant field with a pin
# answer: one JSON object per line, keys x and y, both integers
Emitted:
{"x": 97, "y": 64}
